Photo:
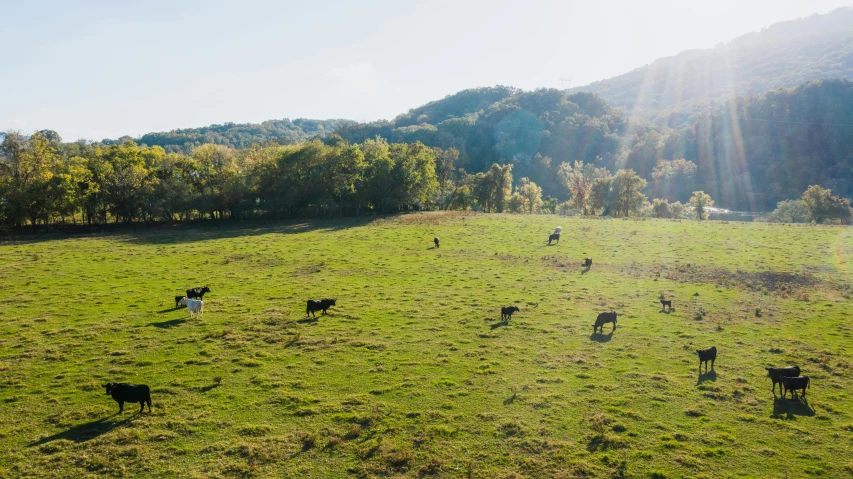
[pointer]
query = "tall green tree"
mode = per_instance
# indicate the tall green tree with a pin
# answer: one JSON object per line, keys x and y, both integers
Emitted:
{"x": 532, "y": 195}
{"x": 824, "y": 207}
{"x": 628, "y": 197}
{"x": 700, "y": 202}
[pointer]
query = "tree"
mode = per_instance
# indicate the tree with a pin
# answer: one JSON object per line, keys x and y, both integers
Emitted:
{"x": 579, "y": 179}
{"x": 790, "y": 211}
{"x": 700, "y": 202}
{"x": 824, "y": 207}
{"x": 532, "y": 195}
{"x": 673, "y": 179}
{"x": 516, "y": 203}
{"x": 660, "y": 208}
{"x": 500, "y": 185}
{"x": 601, "y": 196}
{"x": 628, "y": 197}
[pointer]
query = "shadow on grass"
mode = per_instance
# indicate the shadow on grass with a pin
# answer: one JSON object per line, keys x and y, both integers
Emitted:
{"x": 307, "y": 320}
{"x": 168, "y": 324}
{"x": 169, "y": 310}
{"x": 207, "y": 388}
{"x": 585, "y": 270}
{"x": 85, "y": 432}
{"x": 499, "y": 324}
{"x": 180, "y": 233}
{"x": 601, "y": 337}
{"x": 601, "y": 442}
{"x": 709, "y": 376}
{"x": 667, "y": 311}
{"x": 784, "y": 408}
{"x": 510, "y": 399}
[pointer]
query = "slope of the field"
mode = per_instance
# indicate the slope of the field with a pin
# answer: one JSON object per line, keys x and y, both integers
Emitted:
{"x": 412, "y": 374}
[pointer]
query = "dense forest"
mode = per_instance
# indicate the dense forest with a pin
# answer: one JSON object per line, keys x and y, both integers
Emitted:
{"x": 750, "y": 153}
{"x": 243, "y": 135}
{"x": 783, "y": 55}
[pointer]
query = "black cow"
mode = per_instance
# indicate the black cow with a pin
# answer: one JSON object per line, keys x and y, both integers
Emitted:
{"x": 602, "y": 319}
{"x": 123, "y": 393}
{"x": 776, "y": 375}
{"x": 178, "y": 300}
{"x": 435, "y": 240}
{"x": 792, "y": 384}
{"x": 318, "y": 305}
{"x": 587, "y": 263}
{"x": 706, "y": 355}
{"x": 665, "y": 303}
{"x": 554, "y": 237}
{"x": 197, "y": 292}
{"x": 506, "y": 312}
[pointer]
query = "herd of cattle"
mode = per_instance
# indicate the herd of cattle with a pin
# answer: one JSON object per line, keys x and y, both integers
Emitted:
{"x": 788, "y": 377}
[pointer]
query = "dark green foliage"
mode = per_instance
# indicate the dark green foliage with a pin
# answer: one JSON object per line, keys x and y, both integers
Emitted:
{"x": 241, "y": 135}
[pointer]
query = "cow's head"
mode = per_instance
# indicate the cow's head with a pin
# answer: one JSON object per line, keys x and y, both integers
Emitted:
{"x": 205, "y": 289}
{"x": 109, "y": 387}
{"x": 184, "y": 300}
{"x": 331, "y": 302}
{"x": 515, "y": 309}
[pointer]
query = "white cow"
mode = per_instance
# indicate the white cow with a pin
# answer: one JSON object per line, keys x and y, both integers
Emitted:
{"x": 195, "y": 306}
{"x": 558, "y": 230}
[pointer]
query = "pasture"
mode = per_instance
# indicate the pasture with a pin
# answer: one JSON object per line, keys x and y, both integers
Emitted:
{"x": 412, "y": 373}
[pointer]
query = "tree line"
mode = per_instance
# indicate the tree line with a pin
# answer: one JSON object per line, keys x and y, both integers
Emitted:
{"x": 44, "y": 181}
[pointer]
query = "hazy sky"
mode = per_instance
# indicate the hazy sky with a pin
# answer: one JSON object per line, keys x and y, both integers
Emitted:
{"x": 96, "y": 70}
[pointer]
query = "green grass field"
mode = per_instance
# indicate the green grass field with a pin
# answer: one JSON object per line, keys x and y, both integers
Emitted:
{"x": 413, "y": 374}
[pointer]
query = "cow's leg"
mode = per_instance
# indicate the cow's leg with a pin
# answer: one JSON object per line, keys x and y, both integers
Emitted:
{"x": 141, "y": 406}
{"x": 712, "y": 363}
{"x": 120, "y": 407}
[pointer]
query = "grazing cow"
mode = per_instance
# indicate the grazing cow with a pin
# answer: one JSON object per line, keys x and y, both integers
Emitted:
{"x": 554, "y": 237}
{"x": 318, "y": 305}
{"x": 706, "y": 355}
{"x": 602, "y": 319}
{"x": 792, "y": 384}
{"x": 776, "y": 375}
{"x": 196, "y": 306}
{"x": 123, "y": 393}
{"x": 666, "y": 303}
{"x": 197, "y": 292}
{"x": 178, "y": 300}
{"x": 435, "y": 240}
{"x": 506, "y": 312}
{"x": 587, "y": 263}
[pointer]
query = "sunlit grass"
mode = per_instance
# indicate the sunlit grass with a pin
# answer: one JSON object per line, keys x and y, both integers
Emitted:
{"x": 413, "y": 373}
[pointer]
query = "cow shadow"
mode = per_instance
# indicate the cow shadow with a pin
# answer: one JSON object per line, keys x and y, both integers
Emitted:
{"x": 310, "y": 320}
{"x": 499, "y": 324}
{"x": 552, "y": 244}
{"x": 667, "y": 311}
{"x": 708, "y": 376}
{"x": 168, "y": 324}
{"x": 585, "y": 270}
{"x": 209, "y": 387}
{"x": 601, "y": 337}
{"x": 164, "y": 311}
{"x": 86, "y": 432}
{"x": 791, "y": 408}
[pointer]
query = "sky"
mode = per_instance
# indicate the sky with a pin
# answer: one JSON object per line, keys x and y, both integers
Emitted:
{"x": 104, "y": 69}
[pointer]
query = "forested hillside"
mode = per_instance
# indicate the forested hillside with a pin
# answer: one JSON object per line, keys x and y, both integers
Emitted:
{"x": 242, "y": 135}
{"x": 750, "y": 153}
{"x": 786, "y": 54}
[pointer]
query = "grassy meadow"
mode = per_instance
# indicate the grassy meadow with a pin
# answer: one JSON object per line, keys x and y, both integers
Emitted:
{"x": 412, "y": 374}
